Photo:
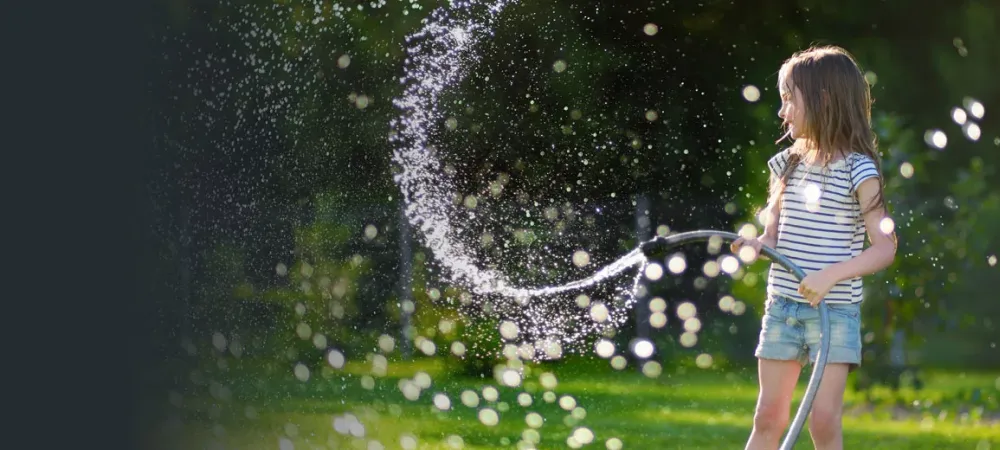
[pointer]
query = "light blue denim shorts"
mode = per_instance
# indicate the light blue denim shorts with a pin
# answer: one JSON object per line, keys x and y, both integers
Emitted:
{"x": 791, "y": 332}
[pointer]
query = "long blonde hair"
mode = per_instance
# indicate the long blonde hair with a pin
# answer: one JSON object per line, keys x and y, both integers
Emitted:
{"x": 837, "y": 102}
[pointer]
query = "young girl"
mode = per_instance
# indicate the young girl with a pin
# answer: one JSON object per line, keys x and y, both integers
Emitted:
{"x": 825, "y": 195}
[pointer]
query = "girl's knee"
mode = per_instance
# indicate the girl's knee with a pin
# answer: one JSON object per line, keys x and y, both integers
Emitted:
{"x": 771, "y": 416}
{"x": 825, "y": 421}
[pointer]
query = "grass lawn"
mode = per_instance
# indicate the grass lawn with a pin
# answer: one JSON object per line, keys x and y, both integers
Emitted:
{"x": 253, "y": 406}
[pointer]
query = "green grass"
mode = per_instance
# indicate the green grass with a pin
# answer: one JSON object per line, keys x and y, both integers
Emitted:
{"x": 681, "y": 409}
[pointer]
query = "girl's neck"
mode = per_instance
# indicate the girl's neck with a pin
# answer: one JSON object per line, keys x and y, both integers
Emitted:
{"x": 811, "y": 156}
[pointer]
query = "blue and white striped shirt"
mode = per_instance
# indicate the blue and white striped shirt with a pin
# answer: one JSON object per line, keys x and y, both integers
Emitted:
{"x": 820, "y": 223}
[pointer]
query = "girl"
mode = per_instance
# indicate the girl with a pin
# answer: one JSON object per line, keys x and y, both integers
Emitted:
{"x": 825, "y": 194}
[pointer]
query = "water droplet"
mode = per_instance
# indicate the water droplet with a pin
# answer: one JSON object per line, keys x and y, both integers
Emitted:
{"x": 343, "y": 61}
{"x": 653, "y": 271}
{"x": 686, "y": 310}
{"x": 471, "y": 201}
{"x": 971, "y": 131}
{"x": 751, "y": 93}
{"x": 422, "y": 379}
{"x": 604, "y": 348}
{"x": 583, "y": 435}
{"x": 886, "y": 225}
{"x": 335, "y": 358}
{"x": 958, "y": 115}
{"x": 650, "y": 29}
{"x": 812, "y": 192}
{"x": 301, "y": 372}
{"x": 442, "y": 402}
{"x": 599, "y": 312}
{"x": 676, "y": 264}
{"x": 489, "y": 417}
{"x": 729, "y": 264}
{"x": 490, "y": 394}
{"x": 509, "y": 330}
{"x": 534, "y": 420}
{"x": 567, "y": 402}
{"x": 975, "y": 108}
{"x": 219, "y": 341}
{"x": 710, "y": 269}
{"x": 551, "y": 348}
{"x": 548, "y": 380}
{"x": 319, "y": 341}
{"x": 652, "y": 369}
{"x": 428, "y": 347}
{"x": 642, "y": 348}
{"x": 871, "y": 78}
{"x": 936, "y": 138}
{"x": 688, "y": 339}
{"x": 906, "y": 170}
{"x": 470, "y": 398}
{"x": 511, "y": 378}
{"x": 386, "y": 343}
{"x": 455, "y": 442}
{"x": 747, "y": 254}
{"x": 408, "y": 442}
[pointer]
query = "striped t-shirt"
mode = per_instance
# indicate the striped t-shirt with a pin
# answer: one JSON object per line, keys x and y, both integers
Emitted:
{"x": 820, "y": 223}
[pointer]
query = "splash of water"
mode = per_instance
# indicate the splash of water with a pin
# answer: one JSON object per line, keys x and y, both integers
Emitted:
{"x": 441, "y": 54}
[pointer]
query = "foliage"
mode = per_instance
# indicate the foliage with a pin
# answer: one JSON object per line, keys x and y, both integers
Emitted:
{"x": 276, "y": 118}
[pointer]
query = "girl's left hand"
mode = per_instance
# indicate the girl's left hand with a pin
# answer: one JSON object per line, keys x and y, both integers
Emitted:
{"x": 816, "y": 285}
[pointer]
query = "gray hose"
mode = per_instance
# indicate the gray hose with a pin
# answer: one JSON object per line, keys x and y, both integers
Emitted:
{"x": 661, "y": 244}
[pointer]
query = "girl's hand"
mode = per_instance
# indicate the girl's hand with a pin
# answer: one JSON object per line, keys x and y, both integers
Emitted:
{"x": 816, "y": 285}
{"x": 754, "y": 243}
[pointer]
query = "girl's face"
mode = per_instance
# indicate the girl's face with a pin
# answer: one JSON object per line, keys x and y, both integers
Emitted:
{"x": 792, "y": 112}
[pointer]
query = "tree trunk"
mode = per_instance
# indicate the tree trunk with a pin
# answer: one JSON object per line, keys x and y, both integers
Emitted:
{"x": 405, "y": 281}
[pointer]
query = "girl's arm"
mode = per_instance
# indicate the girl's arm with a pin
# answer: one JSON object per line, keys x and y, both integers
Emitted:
{"x": 876, "y": 257}
{"x": 769, "y": 218}
{"x": 882, "y": 251}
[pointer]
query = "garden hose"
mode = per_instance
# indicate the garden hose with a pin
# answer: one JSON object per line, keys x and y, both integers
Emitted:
{"x": 661, "y": 244}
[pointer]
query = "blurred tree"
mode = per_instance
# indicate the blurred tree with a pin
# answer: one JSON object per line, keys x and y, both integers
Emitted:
{"x": 277, "y": 118}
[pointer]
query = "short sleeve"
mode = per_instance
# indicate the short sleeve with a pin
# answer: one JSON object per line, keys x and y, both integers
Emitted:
{"x": 862, "y": 169}
{"x": 778, "y": 162}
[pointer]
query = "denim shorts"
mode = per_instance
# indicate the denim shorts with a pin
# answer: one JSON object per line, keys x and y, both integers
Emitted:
{"x": 791, "y": 332}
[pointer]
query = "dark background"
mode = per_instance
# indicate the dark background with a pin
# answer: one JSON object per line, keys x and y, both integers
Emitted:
{"x": 91, "y": 103}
